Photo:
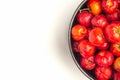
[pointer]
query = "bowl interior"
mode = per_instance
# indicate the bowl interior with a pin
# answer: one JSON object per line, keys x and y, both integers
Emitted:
{"x": 76, "y": 56}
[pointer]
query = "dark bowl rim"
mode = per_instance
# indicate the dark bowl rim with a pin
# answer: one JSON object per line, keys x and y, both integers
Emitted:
{"x": 69, "y": 39}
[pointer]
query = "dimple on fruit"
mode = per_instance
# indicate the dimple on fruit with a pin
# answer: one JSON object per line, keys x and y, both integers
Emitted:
{"x": 79, "y": 32}
{"x": 109, "y": 6}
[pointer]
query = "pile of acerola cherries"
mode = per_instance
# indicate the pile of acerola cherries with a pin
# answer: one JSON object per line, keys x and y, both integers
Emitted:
{"x": 96, "y": 37}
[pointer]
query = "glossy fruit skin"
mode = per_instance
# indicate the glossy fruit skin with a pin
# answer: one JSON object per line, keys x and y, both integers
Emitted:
{"x": 78, "y": 32}
{"x": 86, "y": 48}
{"x": 88, "y": 63}
{"x": 99, "y": 21}
{"x": 115, "y": 49}
{"x": 95, "y": 6}
{"x": 103, "y": 73}
{"x": 84, "y": 18}
{"x": 110, "y": 6}
{"x": 112, "y": 32}
{"x": 116, "y": 75}
{"x": 112, "y": 16}
{"x": 104, "y": 58}
{"x": 75, "y": 46}
{"x": 104, "y": 46}
{"x": 117, "y": 64}
{"x": 96, "y": 37}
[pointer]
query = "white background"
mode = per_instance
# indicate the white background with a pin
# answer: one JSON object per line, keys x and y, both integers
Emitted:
{"x": 33, "y": 40}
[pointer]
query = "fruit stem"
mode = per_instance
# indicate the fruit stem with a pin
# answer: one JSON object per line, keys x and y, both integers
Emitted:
{"x": 88, "y": 9}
